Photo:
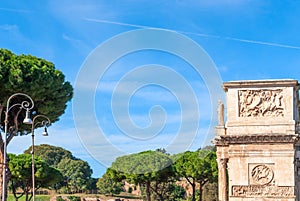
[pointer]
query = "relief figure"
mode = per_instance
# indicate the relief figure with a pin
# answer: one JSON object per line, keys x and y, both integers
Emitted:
{"x": 261, "y": 103}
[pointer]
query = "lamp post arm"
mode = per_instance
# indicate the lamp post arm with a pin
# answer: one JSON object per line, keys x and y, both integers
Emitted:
{"x": 26, "y": 104}
{"x": 45, "y": 122}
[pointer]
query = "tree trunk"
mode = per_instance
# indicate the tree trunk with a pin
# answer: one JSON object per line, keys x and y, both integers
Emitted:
{"x": 148, "y": 191}
{"x": 1, "y": 173}
{"x": 201, "y": 192}
{"x": 201, "y": 185}
{"x": 193, "y": 191}
{"x": 158, "y": 193}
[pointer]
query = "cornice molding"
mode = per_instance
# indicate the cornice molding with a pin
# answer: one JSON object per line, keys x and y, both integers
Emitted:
{"x": 257, "y": 139}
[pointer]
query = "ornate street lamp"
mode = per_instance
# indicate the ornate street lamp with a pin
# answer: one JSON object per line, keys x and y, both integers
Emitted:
{"x": 46, "y": 122}
{"x": 27, "y": 105}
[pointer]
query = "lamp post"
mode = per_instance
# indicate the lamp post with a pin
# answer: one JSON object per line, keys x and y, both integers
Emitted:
{"x": 46, "y": 122}
{"x": 27, "y": 104}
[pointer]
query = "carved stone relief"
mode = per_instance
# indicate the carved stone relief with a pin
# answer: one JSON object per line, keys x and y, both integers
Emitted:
{"x": 260, "y": 174}
{"x": 261, "y": 103}
{"x": 262, "y": 191}
{"x": 261, "y": 184}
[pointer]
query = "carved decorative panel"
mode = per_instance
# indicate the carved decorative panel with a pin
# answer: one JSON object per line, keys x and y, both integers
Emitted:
{"x": 261, "y": 184}
{"x": 260, "y": 103}
{"x": 255, "y": 139}
{"x": 260, "y": 174}
{"x": 262, "y": 191}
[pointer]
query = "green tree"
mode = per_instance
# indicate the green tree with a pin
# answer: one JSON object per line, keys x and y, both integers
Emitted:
{"x": 21, "y": 174}
{"x": 162, "y": 183}
{"x": 50, "y": 154}
{"x": 77, "y": 173}
{"x": 92, "y": 185}
{"x": 208, "y": 170}
{"x": 108, "y": 186}
{"x": 150, "y": 169}
{"x": 41, "y": 81}
{"x": 210, "y": 192}
{"x": 197, "y": 167}
{"x": 174, "y": 192}
{"x": 53, "y": 155}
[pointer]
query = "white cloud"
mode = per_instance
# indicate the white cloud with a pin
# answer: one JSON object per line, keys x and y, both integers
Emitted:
{"x": 205, "y": 35}
{"x": 15, "y": 33}
{"x": 77, "y": 44}
{"x": 10, "y": 27}
{"x": 15, "y": 10}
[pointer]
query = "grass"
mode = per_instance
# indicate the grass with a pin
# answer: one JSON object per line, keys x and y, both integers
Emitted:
{"x": 37, "y": 198}
{"x": 73, "y": 197}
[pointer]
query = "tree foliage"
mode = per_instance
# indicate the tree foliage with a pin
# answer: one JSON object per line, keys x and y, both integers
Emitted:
{"x": 40, "y": 80}
{"x": 174, "y": 192}
{"x": 21, "y": 174}
{"x": 197, "y": 167}
{"x": 108, "y": 186}
{"x": 36, "y": 77}
{"x": 77, "y": 173}
{"x": 164, "y": 177}
{"x": 151, "y": 169}
{"x": 50, "y": 154}
{"x": 143, "y": 163}
{"x": 210, "y": 192}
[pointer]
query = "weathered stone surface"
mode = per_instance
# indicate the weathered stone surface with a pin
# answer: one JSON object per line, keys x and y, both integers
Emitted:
{"x": 261, "y": 107}
{"x": 259, "y": 144}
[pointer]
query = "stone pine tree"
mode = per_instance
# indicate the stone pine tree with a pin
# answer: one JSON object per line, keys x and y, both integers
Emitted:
{"x": 41, "y": 81}
{"x": 21, "y": 175}
{"x": 50, "y": 154}
{"x": 198, "y": 167}
{"x": 108, "y": 186}
{"x": 144, "y": 169}
{"x": 77, "y": 173}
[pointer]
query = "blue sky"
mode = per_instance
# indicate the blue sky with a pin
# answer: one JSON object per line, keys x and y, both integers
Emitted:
{"x": 245, "y": 40}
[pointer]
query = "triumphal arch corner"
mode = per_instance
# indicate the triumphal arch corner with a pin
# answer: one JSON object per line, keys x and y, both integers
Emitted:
{"x": 257, "y": 140}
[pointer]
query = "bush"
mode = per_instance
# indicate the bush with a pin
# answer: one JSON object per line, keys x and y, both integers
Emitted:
{"x": 59, "y": 198}
{"x": 64, "y": 190}
{"x": 210, "y": 192}
{"x": 73, "y": 198}
{"x": 175, "y": 192}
